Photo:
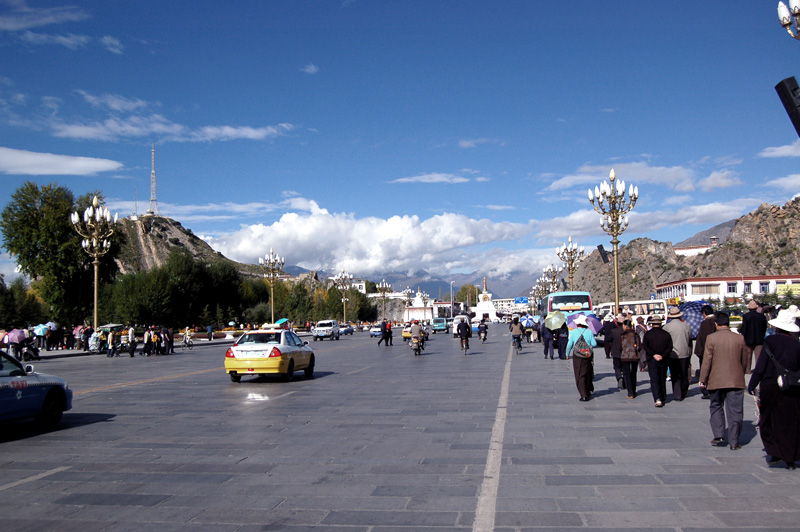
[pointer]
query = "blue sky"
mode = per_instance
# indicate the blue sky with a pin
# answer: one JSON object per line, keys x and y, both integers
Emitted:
{"x": 377, "y": 136}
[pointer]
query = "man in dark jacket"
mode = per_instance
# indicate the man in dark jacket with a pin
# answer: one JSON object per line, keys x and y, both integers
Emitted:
{"x": 657, "y": 345}
{"x": 613, "y": 339}
{"x": 753, "y": 329}
{"x": 708, "y": 326}
{"x": 609, "y": 324}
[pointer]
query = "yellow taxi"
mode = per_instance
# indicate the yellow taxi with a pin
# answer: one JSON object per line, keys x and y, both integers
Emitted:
{"x": 269, "y": 350}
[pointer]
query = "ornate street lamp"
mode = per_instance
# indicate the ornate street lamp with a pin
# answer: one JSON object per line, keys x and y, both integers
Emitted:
{"x": 609, "y": 200}
{"x": 407, "y": 299}
{"x": 551, "y": 275}
{"x": 789, "y": 15}
{"x": 96, "y": 227}
{"x": 384, "y": 288}
{"x": 451, "y": 298}
{"x": 272, "y": 265}
{"x": 570, "y": 254}
{"x": 343, "y": 280}
{"x": 425, "y": 298}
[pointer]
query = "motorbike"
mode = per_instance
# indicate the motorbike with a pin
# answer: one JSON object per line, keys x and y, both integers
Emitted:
{"x": 483, "y": 336}
{"x": 416, "y": 345}
{"x": 29, "y": 350}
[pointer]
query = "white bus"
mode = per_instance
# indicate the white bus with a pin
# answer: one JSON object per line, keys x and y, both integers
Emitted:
{"x": 644, "y": 308}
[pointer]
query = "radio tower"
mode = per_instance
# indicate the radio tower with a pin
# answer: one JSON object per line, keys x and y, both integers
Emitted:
{"x": 153, "y": 210}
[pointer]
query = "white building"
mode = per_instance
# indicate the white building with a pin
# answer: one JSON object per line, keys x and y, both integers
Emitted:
{"x": 730, "y": 289}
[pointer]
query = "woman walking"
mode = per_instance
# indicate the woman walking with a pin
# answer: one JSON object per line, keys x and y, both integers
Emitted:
{"x": 581, "y": 358}
{"x": 629, "y": 356}
{"x": 780, "y": 409}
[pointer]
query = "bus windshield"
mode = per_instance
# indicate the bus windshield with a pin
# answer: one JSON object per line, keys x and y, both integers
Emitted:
{"x": 570, "y": 302}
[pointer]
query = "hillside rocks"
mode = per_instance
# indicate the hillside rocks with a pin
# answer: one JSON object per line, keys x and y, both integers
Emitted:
{"x": 764, "y": 242}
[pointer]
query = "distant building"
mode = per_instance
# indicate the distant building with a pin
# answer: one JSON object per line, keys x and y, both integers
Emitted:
{"x": 730, "y": 289}
{"x": 689, "y": 251}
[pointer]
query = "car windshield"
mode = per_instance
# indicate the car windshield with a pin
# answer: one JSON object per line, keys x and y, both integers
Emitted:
{"x": 8, "y": 366}
{"x": 261, "y": 338}
{"x": 570, "y": 302}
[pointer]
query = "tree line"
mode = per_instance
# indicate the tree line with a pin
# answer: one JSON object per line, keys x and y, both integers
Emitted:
{"x": 183, "y": 292}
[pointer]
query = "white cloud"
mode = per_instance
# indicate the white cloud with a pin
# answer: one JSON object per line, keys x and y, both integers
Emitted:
{"x": 674, "y": 177}
{"x": 71, "y": 41}
{"x": 22, "y": 162}
{"x": 790, "y": 183}
{"x": 113, "y": 102}
{"x": 719, "y": 179}
{"x": 310, "y": 68}
{"x": 678, "y": 200}
{"x": 792, "y": 150}
{"x": 318, "y": 239}
{"x": 432, "y": 178}
{"x": 112, "y": 44}
{"x": 474, "y": 143}
{"x": 500, "y": 207}
{"x": 21, "y": 17}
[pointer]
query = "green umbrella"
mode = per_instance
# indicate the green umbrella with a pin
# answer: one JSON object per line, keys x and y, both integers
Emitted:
{"x": 555, "y": 320}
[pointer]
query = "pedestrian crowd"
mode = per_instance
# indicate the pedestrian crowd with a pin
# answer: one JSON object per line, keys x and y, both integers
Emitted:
{"x": 766, "y": 347}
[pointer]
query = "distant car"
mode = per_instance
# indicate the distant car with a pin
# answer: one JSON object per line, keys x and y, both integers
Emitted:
{"x": 407, "y": 331}
{"x": 440, "y": 325}
{"x": 25, "y": 393}
{"x": 269, "y": 351}
{"x": 375, "y": 331}
{"x": 346, "y": 329}
{"x": 326, "y": 329}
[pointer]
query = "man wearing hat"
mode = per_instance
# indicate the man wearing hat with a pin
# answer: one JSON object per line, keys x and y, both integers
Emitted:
{"x": 657, "y": 345}
{"x": 722, "y": 374}
{"x": 754, "y": 329}
{"x": 679, "y": 359}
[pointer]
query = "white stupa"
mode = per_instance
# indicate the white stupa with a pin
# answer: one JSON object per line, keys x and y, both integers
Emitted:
{"x": 485, "y": 308}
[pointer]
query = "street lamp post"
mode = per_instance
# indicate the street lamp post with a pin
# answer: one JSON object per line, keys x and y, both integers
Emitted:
{"x": 451, "y": 298}
{"x": 425, "y": 298}
{"x": 609, "y": 201}
{"x": 570, "y": 254}
{"x": 384, "y": 288}
{"x": 271, "y": 264}
{"x": 96, "y": 227}
{"x": 407, "y": 300}
{"x": 551, "y": 275}
{"x": 788, "y": 15}
{"x": 343, "y": 280}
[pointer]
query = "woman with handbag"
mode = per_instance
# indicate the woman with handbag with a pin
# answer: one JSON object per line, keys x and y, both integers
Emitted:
{"x": 579, "y": 346}
{"x": 779, "y": 408}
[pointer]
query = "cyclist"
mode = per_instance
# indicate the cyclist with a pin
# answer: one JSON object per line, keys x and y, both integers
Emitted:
{"x": 517, "y": 331}
{"x": 464, "y": 331}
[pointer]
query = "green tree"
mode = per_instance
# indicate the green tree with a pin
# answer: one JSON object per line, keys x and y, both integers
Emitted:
{"x": 36, "y": 230}
{"x": 298, "y": 304}
{"x": 466, "y": 291}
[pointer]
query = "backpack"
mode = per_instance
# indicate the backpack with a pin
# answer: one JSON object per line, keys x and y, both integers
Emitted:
{"x": 582, "y": 349}
{"x": 788, "y": 380}
{"x": 630, "y": 347}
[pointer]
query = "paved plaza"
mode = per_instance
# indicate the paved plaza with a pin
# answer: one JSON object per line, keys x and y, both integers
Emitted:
{"x": 380, "y": 441}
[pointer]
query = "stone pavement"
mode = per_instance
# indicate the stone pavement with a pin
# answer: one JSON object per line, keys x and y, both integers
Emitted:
{"x": 380, "y": 441}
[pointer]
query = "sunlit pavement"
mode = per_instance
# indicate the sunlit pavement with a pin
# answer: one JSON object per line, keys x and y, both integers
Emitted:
{"x": 380, "y": 440}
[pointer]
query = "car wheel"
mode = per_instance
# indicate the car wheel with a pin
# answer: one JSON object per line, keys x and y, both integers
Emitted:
{"x": 309, "y": 371}
{"x": 315, "y": 338}
{"x": 235, "y": 377}
{"x": 289, "y": 371}
{"x": 52, "y": 409}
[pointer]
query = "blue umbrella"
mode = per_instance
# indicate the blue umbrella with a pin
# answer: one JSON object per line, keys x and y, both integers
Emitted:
{"x": 41, "y": 330}
{"x": 282, "y": 320}
{"x": 692, "y": 315}
{"x": 527, "y": 321}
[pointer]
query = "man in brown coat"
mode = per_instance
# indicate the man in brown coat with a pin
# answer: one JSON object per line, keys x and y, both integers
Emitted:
{"x": 725, "y": 361}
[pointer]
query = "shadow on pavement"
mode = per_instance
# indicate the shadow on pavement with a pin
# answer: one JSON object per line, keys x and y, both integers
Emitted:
{"x": 19, "y": 430}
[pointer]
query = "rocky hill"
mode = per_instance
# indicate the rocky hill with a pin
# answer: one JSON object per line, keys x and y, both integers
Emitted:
{"x": 764, "y": 242}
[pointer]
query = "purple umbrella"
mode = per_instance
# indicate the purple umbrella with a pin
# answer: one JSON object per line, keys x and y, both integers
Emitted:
{"x": 15, "y": 336}
{"x": 592, "y": 322}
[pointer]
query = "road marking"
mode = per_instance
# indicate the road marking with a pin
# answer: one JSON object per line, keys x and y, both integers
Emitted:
{"x": 34, "y": 477}
{"x": 147, "y": 381}
{"x": 487, "y": 499}
{"x": 358, "y": 370}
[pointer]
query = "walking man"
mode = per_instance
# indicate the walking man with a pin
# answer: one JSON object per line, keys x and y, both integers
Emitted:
{"x": 722, "y": 374}
{"x": 657, "y": 345}
{"x": 384, "y": 337}
{"x": 753, "y": 329}
{"x": 681, "y": 354}
{"x": 708, "y": 326}
{"x": 613, "y": 339}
